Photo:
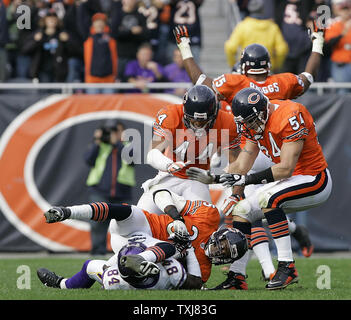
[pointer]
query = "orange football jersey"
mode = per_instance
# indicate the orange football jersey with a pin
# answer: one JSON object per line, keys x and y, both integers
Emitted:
{"x": 291, "y": 121}
{"x": 277, "y": 86}
{"x": 185, "y": 146}
{"x": 201, "y": 219}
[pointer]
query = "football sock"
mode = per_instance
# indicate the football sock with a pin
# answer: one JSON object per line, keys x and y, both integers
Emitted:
{"x": 260, "y": 246}
{"x": 278, "y": 225}
{"x": 158, "y": 252}
{"x": 239, "y": 266}
{"x": 100, "y": 211}
{"x": 80, "y": 280}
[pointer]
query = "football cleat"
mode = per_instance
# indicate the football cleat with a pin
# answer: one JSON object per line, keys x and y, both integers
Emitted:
{"x": 56, "y": 214}
{"x": 234, "y": 281}
{"x": 285, "y": 275}
{"x": 49, "y": 278}
{"x": 264, "y": 278}
{"x": 301, "y": 235}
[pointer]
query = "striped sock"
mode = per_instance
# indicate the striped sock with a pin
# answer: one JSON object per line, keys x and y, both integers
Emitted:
{"x": 100, "y": 211}
{"x": 278, "y": 225}
{"x": 258, "y": 234}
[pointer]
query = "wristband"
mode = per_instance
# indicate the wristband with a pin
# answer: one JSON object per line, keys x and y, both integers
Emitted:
{"x": 261, "y": 177}
{"x": 317, "y": 43}
{"x": 158, "y": 160}
{"x": 308, "y": 76}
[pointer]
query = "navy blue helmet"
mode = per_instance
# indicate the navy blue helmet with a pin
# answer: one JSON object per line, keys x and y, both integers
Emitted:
{"x": 250, "y": 109}
{"x": 255, "y": 60}
{"x": 200, "y": 104}
{"x": 226, "y": 245}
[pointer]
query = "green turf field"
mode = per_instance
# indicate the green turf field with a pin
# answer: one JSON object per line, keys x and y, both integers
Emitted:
{"x": 312, "y": 273}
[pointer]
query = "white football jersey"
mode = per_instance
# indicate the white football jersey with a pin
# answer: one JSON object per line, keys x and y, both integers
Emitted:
{"x": 171, "y": 276}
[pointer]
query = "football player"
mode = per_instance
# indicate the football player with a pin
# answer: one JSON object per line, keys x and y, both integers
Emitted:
{"x": 187, "y": 135}
{"x": 142, "y": 263}
{"x": 255, "y": 73}
{"x": 184, "y": 220}
{"x": 298, "y": 180}
{"x": 255, "y": 68}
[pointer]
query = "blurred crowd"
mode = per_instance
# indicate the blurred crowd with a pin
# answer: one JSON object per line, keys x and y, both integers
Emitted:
{"x": 105, "y": 41}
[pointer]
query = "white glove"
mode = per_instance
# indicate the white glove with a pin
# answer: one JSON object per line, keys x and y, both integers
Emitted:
{"x": 147, "y": 267}
{"x": 231, "y": 180}
{"x": 180, "y": 231}
{"x": 229, "y": 204}
{"x": 177, "y": 166}
{"x": 181, "y": 35}
{"x": 317, "y": 37}
{"x": 200, "y": 175}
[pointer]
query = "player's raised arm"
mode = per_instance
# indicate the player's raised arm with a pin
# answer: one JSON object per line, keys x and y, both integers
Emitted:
{"x": 183, "y": 42}
{"x": 313, "y": 63}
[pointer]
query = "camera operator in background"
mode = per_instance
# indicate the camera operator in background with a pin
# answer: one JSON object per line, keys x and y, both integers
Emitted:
{"x": 111, "y": 178}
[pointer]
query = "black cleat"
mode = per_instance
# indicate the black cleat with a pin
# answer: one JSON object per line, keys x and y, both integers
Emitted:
{"x": 57, "y": 214}
{"x": 285, "y": 275}
{"x": 234, "y": 281}
{"x": 49, "y": 278}
{"x": 301, "y": 235}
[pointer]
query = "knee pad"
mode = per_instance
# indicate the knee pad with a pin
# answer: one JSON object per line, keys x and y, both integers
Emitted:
{"x": 243, "y": 209}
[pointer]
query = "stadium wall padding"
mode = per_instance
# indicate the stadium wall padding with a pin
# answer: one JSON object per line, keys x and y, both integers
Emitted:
{"x": 43, "y": 139}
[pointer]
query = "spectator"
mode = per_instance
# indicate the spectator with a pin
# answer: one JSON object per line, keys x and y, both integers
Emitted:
{"x": 186, "y": 12}
{"x": 152, "y": 10}
{"x": 338, "y": 42}
{"x": 76, "y": 58}
{"x": 163, "y": 34}
{"x": 21, "y": 62}
{"x": 292, "y": 17}
{"x": 129, "y": 29}
{"x": 143, "y": 70}
{"x": 175, "y": 72}
{"x": 85, "y": 11}
{"x": 256, "y": 29}
{"x": 110, "y": 179}
{"x": 100, "y": 54}
{"x": 4, "y": 36}
{"x": 49, "y": 48}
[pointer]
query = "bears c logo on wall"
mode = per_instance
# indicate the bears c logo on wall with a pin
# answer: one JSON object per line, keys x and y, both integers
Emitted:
{"x": 20, "y": 200}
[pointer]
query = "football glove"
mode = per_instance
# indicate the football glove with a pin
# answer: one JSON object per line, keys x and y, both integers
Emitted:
{"x": 229, "y": 204}
{"x": 149, "y": 268}
{"x": 183, "y": 41}
{"x": 200, "y": 175}
{"x": 180, "y": 237}
{"x": 231, "y": 180}
{"x": 317, "y": 37}
{"x": 177, "y": 166}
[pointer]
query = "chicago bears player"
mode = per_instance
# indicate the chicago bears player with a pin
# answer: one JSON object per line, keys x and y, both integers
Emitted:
{"x": 201, "y": 221}
{"x": 255, "y": 69}
{"x": 187, "y": 135}
{"x": 298, "y": 180}
{"x": 142, "y": 263}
